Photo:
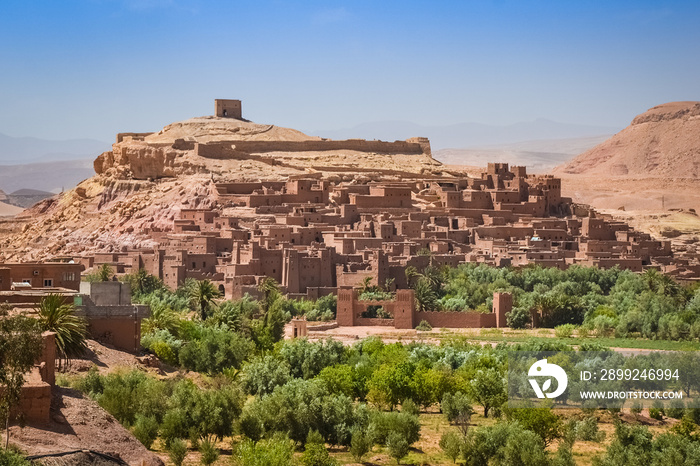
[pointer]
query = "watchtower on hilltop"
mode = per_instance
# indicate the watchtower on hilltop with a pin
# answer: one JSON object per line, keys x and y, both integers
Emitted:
{"x": 227, "y": 108}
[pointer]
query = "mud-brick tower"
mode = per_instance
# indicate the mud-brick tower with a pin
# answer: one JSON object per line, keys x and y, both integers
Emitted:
{"x": 502, "y": 305}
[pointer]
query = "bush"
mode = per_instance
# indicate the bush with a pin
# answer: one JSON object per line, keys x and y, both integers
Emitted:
{"x": 360, "y": 444}
{"x": 541, "y": 421}
{"x": 177, "y": 451}
{"x": 588, "y": 431}
{"x": 456, "y": 406}
{"x": 277, "y": 451}
{"x": 424, "y": 326}
{"x": 145, "y": 430}
{"x": 397, "y": 446}
{"x": 219, "y": 348}
{"x": 12, "y": 458}
{"x": 209, "y": 452}
{"x": 636, "y": 408}
{"x": 675, "y": 409}
{"x": 315, "y": 453}
{"x": 384, "y": 423}
{"x": 262, "y": 375}
{"x": 564, "y": 331}
{"x": 451, "y": 444}
{"x": 518, "y": 318}
{"x": 655, "y": 413}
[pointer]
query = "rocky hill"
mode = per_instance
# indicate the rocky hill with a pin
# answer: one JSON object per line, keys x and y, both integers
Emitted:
{"x": 663, "y": 142}
{"x": 147, "y": 178}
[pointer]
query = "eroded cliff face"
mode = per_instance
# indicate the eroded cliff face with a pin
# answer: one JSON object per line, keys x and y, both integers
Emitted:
{"x": 141, "y": 185}
{"x": 663, "y": 142}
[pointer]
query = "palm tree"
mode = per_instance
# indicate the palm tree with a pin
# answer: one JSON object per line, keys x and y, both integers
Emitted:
{"x": 202, "y": 294}
{"x": 55, "y": 315}
{"x": 104, "y": 273}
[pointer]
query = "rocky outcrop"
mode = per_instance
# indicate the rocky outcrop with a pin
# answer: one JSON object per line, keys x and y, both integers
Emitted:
{"x": 226, "y": 145}
{"x": 663, "y": 142}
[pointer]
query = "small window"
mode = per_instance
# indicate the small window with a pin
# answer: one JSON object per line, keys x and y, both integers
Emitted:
{"x": 48, "y": 282}
{"x": 194, "y": 265}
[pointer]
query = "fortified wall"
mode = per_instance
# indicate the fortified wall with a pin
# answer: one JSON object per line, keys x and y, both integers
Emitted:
{"x": 406, "y": 316}
{"x": 225, "y": 149}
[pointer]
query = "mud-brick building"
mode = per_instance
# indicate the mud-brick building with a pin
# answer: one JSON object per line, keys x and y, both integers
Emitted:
{"x": 40, "y": 275}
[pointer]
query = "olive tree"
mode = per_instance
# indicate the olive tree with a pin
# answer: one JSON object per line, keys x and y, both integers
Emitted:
{"x": 20, "y": 346}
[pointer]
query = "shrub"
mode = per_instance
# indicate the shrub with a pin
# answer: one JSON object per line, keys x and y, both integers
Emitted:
{"x": 209, "y": 452}
{"x": 12, "y": 458}
{"x": 424, "y": 326}
{"x": 636, "y": 408}
{"x": 218, "y": 348}
{"x": 564, "y": 331}
{"x": 518, "y": 318}
{"x": 360, "y": 444}
{"x": 277, "y": 451}
{"x": 177, "y": 451}
{"x": 451, "y": 444}
{"x": 384, "y": 423}
{"x": 588, "y": 431}
{"x": 262, "y": 375}
{"x": 145, "y": 430}
{"x": 456, "y": 406}
{"x": 541, "y": 421}
{"x": 675, "y": 409}
{"x": 655, "y": 413}
{"x": 315, "y": 453}
{"x": 397, "y": 446}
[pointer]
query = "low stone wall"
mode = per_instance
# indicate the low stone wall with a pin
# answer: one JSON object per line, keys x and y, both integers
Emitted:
{"x": 369, "y": 322}
{"x": 35, "y": 403}
{"x": 313, "y": 327}
{"x": 458, "y": 319}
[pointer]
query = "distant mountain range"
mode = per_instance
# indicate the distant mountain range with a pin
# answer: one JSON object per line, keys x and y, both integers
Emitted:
{"x": 47, "y": 176}
{"x": 468, "y": 135}
{"x": 538, "y": 156}
{"x": 33, "y": 150}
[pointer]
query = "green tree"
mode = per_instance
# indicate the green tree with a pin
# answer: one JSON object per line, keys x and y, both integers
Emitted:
{"x": 457, "y": 408}
{"x": 145, "y": 430}
{"x": 143, "y": 283}
{"x": 451, "y": 444}
{"x": 487, "y": 388}
{"x": 315, "y": 453}
{"x": 201, "y": 294}
{"x": 277, "y": 451}
{"x": 105, "y": 273}
{"x": 177, "y": 451}
{"x": 55, "y": 315}
{"x": 397, "y": 446}
{"x": 541, "y": 421}
{"x": 20, "y": 346}
{"x": 360, "y": 444}
{"x": 209, "y": 452}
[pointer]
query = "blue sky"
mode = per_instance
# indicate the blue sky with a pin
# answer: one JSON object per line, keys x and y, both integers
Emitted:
{"x": 92, "y": 68}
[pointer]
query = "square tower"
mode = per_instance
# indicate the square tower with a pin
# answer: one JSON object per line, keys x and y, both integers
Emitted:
{"x": 226, "y": 108}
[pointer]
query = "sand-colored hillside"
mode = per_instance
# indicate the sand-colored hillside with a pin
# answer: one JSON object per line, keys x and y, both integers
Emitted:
{"x": 7, "y": 210}
{"x": 663, "y": 142}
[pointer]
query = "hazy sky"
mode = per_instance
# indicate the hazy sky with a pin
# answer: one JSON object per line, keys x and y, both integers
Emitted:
{"x": 92, "y": 68}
